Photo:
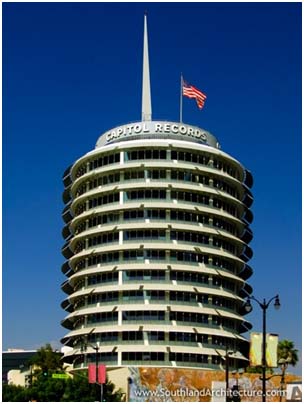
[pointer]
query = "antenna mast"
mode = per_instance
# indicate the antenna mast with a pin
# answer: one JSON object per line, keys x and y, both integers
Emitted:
{"x": 146, "y": 109}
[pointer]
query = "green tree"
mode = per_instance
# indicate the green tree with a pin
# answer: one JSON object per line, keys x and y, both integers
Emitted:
{"x": 47, "y": 389}
{"x": 287, "y": 351}
{"x": 44, "y": 388}
{"x": 11, "y": 393}
{"x": 78, "y": 389}
{"x": 47, "y": 361}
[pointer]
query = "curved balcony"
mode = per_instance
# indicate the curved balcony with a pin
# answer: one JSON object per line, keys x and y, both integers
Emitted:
{"x": 66, "y": 269}
{"x": 248, "y": 199}
{"x": 67, "y": 306}
{"x": 67, "y": 180}
{"x": 66, "y": 250}
{"x": 246, "y": 272}
{"x": 248, "y": 181}
{"x": 247, "y": 253}
{"x": 248, "y": 216}
{"x": 247, "y": 235}
{"x": 245, "y": 327}
{"x": 245, "y": 291}
{"x": 66, "y": 231}
{"x": 66, "y": 214}
{"x": 66, "y": 287}
{"x": 66, "y": 196}
{"x": 67, "y": 323}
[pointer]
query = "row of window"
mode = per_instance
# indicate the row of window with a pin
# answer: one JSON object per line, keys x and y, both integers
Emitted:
{"x": 102, "y": 297}
{"x": 98, "y": 220}
{"x": 157, "y": 214}
{"x": 145, "y": 194}
{"x": 106, "y": 357}
{"x": 143, "y": 356}
{"x": 157, "y": 295}
{"x": 160, "y": 336}
{"x": 98, "y": 162}
{"x": 161, "y": 194}
{"x": 104, "y": 161}
{"x": 158, "y": 316}
{"x": 106, "y": 277}
{"x": 158, "y": 275}
{"x": 147, "y": 275}
{"x": 146, "y": 154}
{"x": 155, "y": 234}
{"x": 103, "y": 238}
{"x": 103, "y": 180}
{"x": 141, "y": 255}
{"x": 149, "y": 234}
{"x": 101, "y": 200}
{"x": 173, "y": 356}
{"x": 190, "y": 197}
{"x": 175, "y": 175}
{"x": 182, "y": 196}
{"x": 158, "y": 154}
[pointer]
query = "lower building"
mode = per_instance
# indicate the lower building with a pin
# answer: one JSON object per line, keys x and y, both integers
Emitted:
{"x": 15, "y": 365}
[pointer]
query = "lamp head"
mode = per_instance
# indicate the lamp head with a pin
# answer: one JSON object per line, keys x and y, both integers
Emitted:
{"x": 248, "y": 306}
{"x": 277, "y": 303}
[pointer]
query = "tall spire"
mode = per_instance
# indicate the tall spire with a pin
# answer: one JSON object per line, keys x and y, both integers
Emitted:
{"x": 146, "y": 109}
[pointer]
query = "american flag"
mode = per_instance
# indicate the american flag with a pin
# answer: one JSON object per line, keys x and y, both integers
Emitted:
{"x": 192, "y": 92}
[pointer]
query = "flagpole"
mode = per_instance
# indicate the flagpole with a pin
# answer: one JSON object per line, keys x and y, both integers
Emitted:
{"x": 181, "y": 101}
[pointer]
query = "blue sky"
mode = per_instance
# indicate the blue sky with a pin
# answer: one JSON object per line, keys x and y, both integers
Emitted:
{"x": 71, "y": 71}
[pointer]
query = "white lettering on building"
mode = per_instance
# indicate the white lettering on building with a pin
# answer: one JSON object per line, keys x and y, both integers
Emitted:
{"x": 155, "y": 127}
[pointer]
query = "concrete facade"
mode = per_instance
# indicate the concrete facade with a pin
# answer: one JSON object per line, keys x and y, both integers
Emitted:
{"x": 157, "y": 229}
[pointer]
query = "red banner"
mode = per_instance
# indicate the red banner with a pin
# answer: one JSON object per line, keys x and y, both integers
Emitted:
{"x": 92, "y": 373}
{"x": 101, "y": 374}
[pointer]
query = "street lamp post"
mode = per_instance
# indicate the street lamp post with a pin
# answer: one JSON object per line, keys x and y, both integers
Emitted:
{"x": 96, "y": 349}
{"x": 236, "y": 386}
{"x": 227, "y": 372}
{"x": 264, "y": 306}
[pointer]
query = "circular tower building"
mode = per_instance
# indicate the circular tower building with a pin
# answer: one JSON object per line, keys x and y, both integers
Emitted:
{"x": 157, "y": 232}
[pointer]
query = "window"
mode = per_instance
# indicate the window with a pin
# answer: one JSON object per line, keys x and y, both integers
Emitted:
{"x": 106, "y": 277}
{"x": 133, "y": 175}
{"x": 187, "y": 357}
{"x": 103, "y": 200}
{"x": 103, "y": 258}
{"x": 104, "y": 160}
{"x": 102, "y": 317}
{"x": 132, "y": 336}
{"x": 154, "y": 154}
{"x": 190, "y": 197}
{"x": 199, "y": 158}
{"x": 104, "y": 238}
{"x": 146, "y": 194}
{"x": 156, "y": 335}
{"x": 144, "y": 275}
{"x": 144, "y": 234}
{"x": 103, "y": 337}
{"x": 133, "y": 295}
{"x": 143, "y": 315}
{"x": 189, "y": 317}
{"x": 143, "y": 356}
{"x": 156, "y": 174}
